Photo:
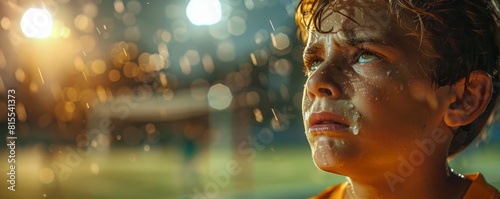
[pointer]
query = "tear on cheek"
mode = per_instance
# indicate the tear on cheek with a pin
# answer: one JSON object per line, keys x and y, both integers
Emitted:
{"x": 356, "y": 123}
{"x": 325, "y": 150}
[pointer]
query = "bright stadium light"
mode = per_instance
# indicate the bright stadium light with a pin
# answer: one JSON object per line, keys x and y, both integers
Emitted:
{"x": 36, "y": 23}
{"x": 204, "y": 12}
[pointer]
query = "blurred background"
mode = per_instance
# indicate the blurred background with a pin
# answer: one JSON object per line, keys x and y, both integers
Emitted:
{"x": 163, "y": 99}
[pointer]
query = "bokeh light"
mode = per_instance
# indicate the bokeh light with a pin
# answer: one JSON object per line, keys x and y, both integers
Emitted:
{"x": 204, "y": 12}
{"x": 219, "y": 97}
{"x": 46, "y": 175}
{"x": 36, "y": 23}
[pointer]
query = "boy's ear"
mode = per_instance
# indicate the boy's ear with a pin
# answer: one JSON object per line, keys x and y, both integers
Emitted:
{"x": 470, "y": 102}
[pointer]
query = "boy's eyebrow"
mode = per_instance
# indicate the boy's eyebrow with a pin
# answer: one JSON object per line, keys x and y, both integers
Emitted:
{"x": 356, "y": 37}
{"x": 313, "y": 49}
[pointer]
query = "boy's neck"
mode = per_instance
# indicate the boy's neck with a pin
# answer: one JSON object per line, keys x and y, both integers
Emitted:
{"x": 423, "y": 183}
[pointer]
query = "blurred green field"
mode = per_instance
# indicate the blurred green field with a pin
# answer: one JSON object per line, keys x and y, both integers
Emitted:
{"x": 162, "y": 172}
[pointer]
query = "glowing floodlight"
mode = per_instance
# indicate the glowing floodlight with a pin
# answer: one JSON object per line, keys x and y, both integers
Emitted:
{"x": 204, "y": 12}
{"x": 36, "y": 23}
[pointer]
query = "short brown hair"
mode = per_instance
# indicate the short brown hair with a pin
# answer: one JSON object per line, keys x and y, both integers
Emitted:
{"x": 457, "y": 37}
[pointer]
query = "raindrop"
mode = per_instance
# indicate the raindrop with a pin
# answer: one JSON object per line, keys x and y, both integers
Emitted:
{"x": 347, "y": 73}
{"x": 323, "y": 155}
{"x": 254, "y": 60}
{"x": 270, "y": 22}
{"x": 400, "y": 88}
{"x": 355, "y": 117}
{"x": 355, "y": 129}
{"x": 338, "y": 143}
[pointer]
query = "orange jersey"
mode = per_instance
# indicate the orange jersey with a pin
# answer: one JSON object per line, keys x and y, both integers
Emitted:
{"x": 479, "y": 189}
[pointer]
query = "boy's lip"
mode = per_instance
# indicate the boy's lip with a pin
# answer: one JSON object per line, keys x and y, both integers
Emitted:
{"x": 326, "y": 121}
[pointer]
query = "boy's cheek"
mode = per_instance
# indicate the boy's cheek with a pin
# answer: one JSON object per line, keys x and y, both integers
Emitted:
{"x": 421, "y": 92}
{"x": 371, "y": 92}
{"x": 374, "y": 71}
{"x": 306, "y": 102}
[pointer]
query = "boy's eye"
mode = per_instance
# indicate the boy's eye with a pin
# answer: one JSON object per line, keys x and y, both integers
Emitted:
{"x": 367, "y": 56}
{"x": 311, "y": 64}
{"x": 314, "y": 65}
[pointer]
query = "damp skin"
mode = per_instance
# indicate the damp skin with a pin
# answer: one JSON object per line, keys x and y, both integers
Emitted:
{"x": 368, "y": 104}
{"x": 368, "y": 77}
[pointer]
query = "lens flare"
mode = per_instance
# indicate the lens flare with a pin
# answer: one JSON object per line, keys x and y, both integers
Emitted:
{"x": 36, "y": 23}
{"x": 204, "y": 12}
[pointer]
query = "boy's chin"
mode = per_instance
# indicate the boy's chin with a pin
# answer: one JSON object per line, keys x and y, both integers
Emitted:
{"x": 330, "y": 154}
{"x": 328, "y": 164}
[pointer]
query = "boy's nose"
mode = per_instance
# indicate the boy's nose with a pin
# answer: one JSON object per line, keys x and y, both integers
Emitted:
{"x": 321, "y": 84}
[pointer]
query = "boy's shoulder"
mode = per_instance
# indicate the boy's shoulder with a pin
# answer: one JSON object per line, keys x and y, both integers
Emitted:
{"x": 480, "y": 189}
{"x": 332, "y": 192}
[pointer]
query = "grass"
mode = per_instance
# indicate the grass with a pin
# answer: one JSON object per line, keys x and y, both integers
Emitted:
{"x": 162, "y": 172}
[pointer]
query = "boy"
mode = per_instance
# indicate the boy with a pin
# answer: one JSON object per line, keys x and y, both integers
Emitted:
{"x": 394, "y": 89}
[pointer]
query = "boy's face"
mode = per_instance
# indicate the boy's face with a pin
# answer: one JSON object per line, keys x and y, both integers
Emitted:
{"x": 367, "y": 102}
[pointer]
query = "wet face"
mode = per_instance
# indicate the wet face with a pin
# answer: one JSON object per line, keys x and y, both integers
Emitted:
{"x": 366, "y": 99}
